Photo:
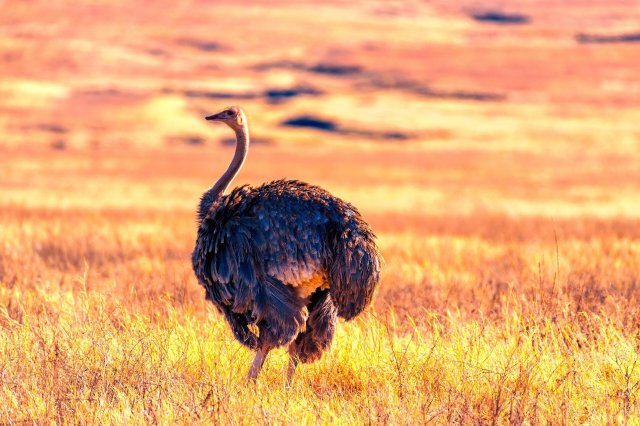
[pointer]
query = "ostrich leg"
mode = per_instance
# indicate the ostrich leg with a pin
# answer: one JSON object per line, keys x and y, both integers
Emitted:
{"x": 256, "y": 366}
{"x": 293, "y": 363}
{"x": 321, "y": 324}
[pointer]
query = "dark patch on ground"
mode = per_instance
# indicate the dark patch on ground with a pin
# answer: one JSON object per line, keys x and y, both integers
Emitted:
{"x": 283, "y": 64}
{"x": 395, "y": 136}
{"x": 502, "y": 18}
{"x": 204, "y": 45}
{"x": 319, "y": 68}
{"x": 326, "y": 125}
{"x": 311, "y": 123}
{"x": 367, "y": 79}
{"x": 388, "y": 136}
{"x": 52, "y": 128}
{"x": 335, "y": 69}
{"x": 218, "y": 95}
{"x": 612, "y": 38}
{"x": 193, "y": 140}
{"x": 468, "y": 95}
{"x": 278, "y": 95}
{"x": 274, "y": 95}
{"x": 156, "y": 52}
{"x": 58, "y": 145}
{"x": 426, "y": 91}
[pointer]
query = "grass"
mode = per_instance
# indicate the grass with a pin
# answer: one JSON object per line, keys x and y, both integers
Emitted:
{"x": 488, "y": 319}
{"x": 88, "y": 360}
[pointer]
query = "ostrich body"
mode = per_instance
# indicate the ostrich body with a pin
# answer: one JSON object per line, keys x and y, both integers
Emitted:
{"x": 282, "y": 261}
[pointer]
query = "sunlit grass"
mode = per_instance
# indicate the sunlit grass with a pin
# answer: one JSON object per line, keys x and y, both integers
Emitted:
{"x": 477, "y": 321}
{"x": 86, "y": 359}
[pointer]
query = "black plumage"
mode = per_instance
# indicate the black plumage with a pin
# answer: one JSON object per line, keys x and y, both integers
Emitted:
{"x": 283, "y": 260}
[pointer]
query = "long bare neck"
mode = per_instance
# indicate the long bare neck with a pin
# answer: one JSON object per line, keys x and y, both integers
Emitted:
{"x": 242, "y": 148}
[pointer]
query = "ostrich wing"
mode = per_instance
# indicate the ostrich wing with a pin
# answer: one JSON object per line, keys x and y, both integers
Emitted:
{"x": 226, "y": 261}
{"x": 231, "y": 261}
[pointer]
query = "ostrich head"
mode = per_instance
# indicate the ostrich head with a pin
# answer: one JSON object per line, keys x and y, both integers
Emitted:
{"x": 232, "y": 116}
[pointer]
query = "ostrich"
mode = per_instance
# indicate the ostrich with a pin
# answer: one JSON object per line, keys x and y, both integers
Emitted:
{"x": 282, "y": 261}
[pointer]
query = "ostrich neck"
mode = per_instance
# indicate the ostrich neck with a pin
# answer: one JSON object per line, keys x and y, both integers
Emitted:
{"x": 242, "y": 148}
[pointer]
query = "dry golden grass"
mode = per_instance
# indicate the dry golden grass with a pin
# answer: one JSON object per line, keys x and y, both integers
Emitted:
{"x": 479, "y": 319}
{"x": 510, "y": 226}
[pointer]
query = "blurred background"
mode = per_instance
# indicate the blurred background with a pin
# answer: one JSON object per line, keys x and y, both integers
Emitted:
{"x": 527, "y": 108}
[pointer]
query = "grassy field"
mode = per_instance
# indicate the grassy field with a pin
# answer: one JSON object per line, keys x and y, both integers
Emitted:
{"x": 479, "y": 319}
{"x": 498, "y": 165}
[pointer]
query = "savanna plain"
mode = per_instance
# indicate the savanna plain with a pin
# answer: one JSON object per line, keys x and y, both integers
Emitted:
{"x": 496, "y": 156}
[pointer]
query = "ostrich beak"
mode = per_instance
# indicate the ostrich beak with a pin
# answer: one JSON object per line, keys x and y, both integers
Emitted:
{"x": 214, "y": 117}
